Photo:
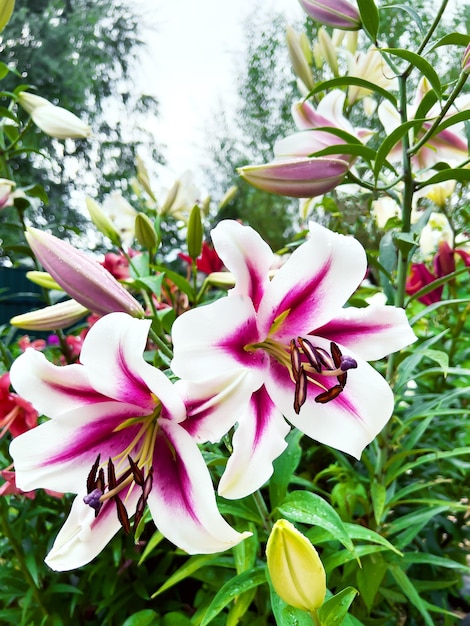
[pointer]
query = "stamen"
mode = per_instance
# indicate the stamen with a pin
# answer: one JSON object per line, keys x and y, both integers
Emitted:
{"x": 317, "y": 361}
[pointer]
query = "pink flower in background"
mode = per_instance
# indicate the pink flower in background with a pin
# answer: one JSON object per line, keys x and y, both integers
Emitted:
{"x": 301, "y": 354}
{"x": 117, "y": 265}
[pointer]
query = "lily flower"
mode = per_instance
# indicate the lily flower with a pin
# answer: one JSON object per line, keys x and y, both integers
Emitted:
{"x": 79, "y": 275}
{"x": 53, "y": 120}
{"x": 17, "y": 415}
{"x": 328, "y": 114}
{"x": 118, "y": 437}
{"x": 449, "y": 145}
{"x": 302, "y": 354}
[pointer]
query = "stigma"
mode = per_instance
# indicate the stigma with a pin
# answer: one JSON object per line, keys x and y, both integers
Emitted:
{"x": 98, "y": 491}
{"x": 308, "y": 360}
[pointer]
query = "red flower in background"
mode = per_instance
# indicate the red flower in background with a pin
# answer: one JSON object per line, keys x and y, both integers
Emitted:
{"x": 444, "y": 264}
{"x": 208, "y": 262}
{"x": 16, "y": 414}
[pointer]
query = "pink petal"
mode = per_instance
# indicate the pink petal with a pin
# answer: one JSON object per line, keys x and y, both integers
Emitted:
{"x": 213, "y": 406}
{"x": 210, "y": 340}
{"x": 246, "y": 255}
{"x": 347, "y": 423}
{"x": 306, "y": 143}
{"x": 83, "y": 536}
{"x": 313, "y": 284}
{"x": 258, "y": 440}
{"x": 371, "y": 332}
{"x": 182, "y": 500}
{"x": 59, "y": 454}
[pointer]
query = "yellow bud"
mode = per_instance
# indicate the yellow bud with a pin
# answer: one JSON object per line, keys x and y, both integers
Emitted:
{"x": 43, "y": 279}
{"x": 229, "y": 195}
{"x": 6, "y": 9}
{"x": 296, "y": 571}
{"x": 60, "y": 315}
{"x": 145, "y": 232}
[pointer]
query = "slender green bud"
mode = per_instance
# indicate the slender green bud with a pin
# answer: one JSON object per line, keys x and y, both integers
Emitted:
{"x": 145, "y": 232}
{"x": 194, "y": 234}
{"x": 102, "y": 222}
{"x": 43, "y": 279}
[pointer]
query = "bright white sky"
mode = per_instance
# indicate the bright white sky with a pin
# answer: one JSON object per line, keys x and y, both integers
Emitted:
{"x": 191, "y": 64}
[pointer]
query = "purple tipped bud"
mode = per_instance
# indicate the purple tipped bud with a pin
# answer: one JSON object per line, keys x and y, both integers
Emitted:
{"x": 466, "y": 60}
{"x": 335, "y": 13}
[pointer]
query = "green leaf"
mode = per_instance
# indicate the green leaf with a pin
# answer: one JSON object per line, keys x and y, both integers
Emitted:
{"x": 369, "y": 577}
{"x": 343, "y": 556}
{"x": 345, "y": 81}
{"x": 452, "y": 173}
{"x": 284, "y": 468}
{"x": 452, "y": 39}
{"x": 423, "y": 558}
{"x": 405, "y": 242}
{"x": 153, "y": 284}
{"x": 440, "y": 357}
{"x": 147, "y": 617}
{"x": 231, "y": 589}
{"x": 410, "y": 592}
{"x": 418, "y": 61}
{"x": 391, "y": 141}
{"x": 182, "y": 284}
{"x": 369, "y": 17}
{"x": 378, "y": 493}
{"x": 189, "y": 567}
{"x": 333, "y": 612}
{"x": 426, "y": 458}
{"x": 355, "y": 531}
{"x": 413, "y": 14}
{"x": 309, "y": 508}
{"x": 4, "y": 70}
{"x": 174, "y": 619}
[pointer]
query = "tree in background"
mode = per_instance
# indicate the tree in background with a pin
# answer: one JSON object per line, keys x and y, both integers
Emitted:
{"x": 266, "y": 89}
{"x": 81, "y": 55}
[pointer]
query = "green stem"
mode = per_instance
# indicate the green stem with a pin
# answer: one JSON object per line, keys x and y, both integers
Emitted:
{"x": 432, "y": 28}
{"x": 160, "y": 344}
{"x": 449, "y": 102}
{"x": 315, "y": 618}
{"x": 262, "y": 510}
{"x": 10, "y": 536}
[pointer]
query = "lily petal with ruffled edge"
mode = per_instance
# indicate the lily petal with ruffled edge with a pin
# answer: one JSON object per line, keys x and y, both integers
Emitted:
{"x": 260, "y": 337}
{"x": 111, "y": 406}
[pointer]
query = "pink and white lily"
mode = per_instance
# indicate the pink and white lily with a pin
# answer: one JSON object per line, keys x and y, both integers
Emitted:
{"x": 119, "y": 437}
{"x": 449, "y": 145}
{"x": 328, "y": 114}
{"x": 302, "y": 355}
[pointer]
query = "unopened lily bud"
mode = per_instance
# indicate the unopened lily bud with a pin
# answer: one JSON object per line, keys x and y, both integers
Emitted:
{"x": 43, "y": 279}
{"x": 466, "y": 60}
{"x": 143, "y": 177}
{"x": 6, "y": 9}
{"x": 102, "y": 221}
{"x": 299, "y": 60}
{"x": 296, "y": 571}
{"x": 229, "y": 196}
{"x": 81, "y": 276}
{"x": 53, "y": 120}
{"x": 170, "y": 199}
{"x": 328, "y": 50}
{"x": 145, "y": 232}
{"x": 335, "y": 13}
{"x": 194, "y": 235}
{"x": 60, "y": 315}
{"x": 296, "y": 177}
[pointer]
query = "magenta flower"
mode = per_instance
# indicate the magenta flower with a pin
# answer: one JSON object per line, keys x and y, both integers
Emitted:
{"x": 119, "y": 438}
{"x": 300, "y": 353}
